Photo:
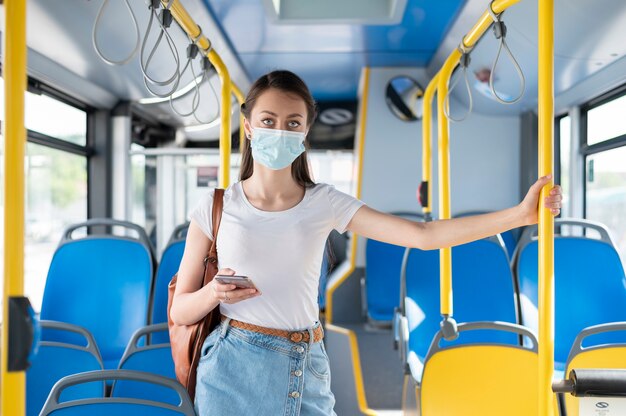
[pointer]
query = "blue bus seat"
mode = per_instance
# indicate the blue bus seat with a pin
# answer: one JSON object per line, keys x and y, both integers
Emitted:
{"x": 102, "y": 283}
{"x": 484, "y": 290}
{"x": 154, "y": 358}
{"x": 589, "y": 285}
{"x": 58, "y": 405}
{"x": 168, "y": 267}
{"x": 55, "y": 360}
{"x": 383, "y": 264}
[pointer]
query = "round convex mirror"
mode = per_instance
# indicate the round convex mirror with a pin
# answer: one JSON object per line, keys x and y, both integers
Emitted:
{"x": 404, "y": 98}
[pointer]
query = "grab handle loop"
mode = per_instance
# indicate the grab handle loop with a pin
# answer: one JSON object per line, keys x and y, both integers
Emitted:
{"x": 499, "y": 31}
{"x": 164, "y": 20}
{"x": 95, "y": 41}
{"x": 192, "y": 53}
{"x": 464, "y": 62}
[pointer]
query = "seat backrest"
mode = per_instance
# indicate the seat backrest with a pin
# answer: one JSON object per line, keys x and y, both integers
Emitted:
{"x": 55, "y": 360}
{"x": 596, "y": 354}
{"x": 58, "y": 405}
{"x": 154, "y": 358}
{"x": 485, "y": 379}
{"x": 587, "y": 272}
{"x": 168, "y": 267}
{"x": 102, "y": 283}
{"x": 483, "y": 290}
{"x": 383, "y": 264}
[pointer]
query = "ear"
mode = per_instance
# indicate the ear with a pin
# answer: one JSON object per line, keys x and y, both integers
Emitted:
{"x": 247, "y": 128}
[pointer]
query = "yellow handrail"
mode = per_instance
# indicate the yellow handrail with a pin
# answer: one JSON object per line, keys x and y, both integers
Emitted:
{"x": 469, "y": 40}
{"x": 427, "y": 105}
{"x": 330, "y": 291}
{"x": 12, "y": 392}
{"x": 546, "y": 220}
{"x": 193, "y": 30}
{"x": 240, "y": 99}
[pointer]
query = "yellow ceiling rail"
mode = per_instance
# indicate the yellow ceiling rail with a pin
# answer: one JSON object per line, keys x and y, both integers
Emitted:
{"x": 469, "y": 40}
{"x": 193, "y": 30}
{"x": 12, "y": 392}
{"x": 546, "y": 220}
{"x": 330, "y": 291}
{"x": 427, "y": 106}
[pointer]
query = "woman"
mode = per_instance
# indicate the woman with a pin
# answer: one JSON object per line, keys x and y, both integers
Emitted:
{"x": 274, "y": 227}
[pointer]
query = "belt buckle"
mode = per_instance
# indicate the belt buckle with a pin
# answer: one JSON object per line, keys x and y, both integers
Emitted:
{"x": 296, "y": 336}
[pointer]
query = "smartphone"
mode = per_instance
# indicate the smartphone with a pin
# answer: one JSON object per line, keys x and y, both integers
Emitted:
{"x": 239, "y": 281}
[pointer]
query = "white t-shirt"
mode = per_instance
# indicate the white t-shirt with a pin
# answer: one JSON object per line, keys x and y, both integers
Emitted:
{"x": 280, "y": 251}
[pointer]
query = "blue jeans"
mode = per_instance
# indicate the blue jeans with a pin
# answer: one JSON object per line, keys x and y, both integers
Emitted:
{"x": 242, "y": 372}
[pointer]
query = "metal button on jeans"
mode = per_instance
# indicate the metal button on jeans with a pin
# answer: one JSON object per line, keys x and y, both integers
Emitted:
{"x": 297, "y": 373}
{"x": 295, "y": 394}
{"x": 300, "y": 349}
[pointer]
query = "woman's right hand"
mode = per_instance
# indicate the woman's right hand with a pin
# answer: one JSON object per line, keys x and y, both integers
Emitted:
{"x": 228, "y": 293}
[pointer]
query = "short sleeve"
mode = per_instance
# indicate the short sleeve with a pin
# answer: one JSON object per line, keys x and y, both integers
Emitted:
{"x": 201, "y": 214}
{"x": 343, "y": 207}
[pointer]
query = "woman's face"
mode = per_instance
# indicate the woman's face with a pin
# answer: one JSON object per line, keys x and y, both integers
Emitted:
{"x": 276, "y": 109}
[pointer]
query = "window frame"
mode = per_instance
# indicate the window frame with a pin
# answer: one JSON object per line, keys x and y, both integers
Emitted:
{"x": 37, "y": 87}
{"x": 587, "y": 150}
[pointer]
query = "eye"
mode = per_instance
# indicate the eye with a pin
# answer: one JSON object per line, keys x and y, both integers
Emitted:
{"x": 267, "y": 121}
{"x": 294, "y": 124}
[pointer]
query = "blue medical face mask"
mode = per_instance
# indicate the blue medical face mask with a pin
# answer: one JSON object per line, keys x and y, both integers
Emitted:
{"x": 276, "y": 149}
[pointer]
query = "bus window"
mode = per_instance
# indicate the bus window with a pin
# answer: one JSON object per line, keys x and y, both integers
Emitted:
{"x": 605, "y": 172}
{"x": 56, "y": 183}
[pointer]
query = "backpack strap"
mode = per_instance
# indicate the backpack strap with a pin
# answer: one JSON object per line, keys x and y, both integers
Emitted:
{"x": 218, "y": 205}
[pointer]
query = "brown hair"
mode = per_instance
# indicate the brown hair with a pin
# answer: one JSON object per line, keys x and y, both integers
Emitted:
{"x": 288, "y": 82}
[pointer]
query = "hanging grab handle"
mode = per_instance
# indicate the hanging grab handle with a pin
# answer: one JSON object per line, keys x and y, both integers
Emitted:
{"x": 499, "y": 30}
{"x": 464, "y": 62}
{"x": 95, "y": 41}
{"x": 164, "y": 21}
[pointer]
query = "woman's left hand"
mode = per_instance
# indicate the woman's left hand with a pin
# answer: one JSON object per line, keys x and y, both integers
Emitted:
{"x": 530, "y": 203}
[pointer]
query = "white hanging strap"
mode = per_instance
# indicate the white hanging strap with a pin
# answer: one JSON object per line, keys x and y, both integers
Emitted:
{"x": 499, "y": 30}
{"x": 95, "y": 41}
{"x": 464, "y": 62}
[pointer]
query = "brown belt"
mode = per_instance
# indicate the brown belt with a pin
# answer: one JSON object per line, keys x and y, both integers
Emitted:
{"x": 295, "y": 336}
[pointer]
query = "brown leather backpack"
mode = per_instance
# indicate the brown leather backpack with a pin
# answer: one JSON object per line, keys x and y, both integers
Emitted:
{"x": 187, "y": 340}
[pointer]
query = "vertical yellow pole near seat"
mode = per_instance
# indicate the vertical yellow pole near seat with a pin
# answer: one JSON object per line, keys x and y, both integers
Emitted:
{"x": 14, "y": 68}
{"x": 190, "y": 27}
{"x": 469, "y": 40}
{"x": 546, "y": 220}
{"x": 443, "y": 144}
{"x": 240, "y": 99}
{"x": 427, "y": 105}
{"x": 225, "y": 109}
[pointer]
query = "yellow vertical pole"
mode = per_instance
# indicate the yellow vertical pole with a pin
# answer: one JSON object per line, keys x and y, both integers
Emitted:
{"x": 225, "y": 103}
{"x": 240, "y": 99}
{"x": 427, "y": 105}
{"x": 445, "y": 254}
{"x": 546, "y": 221}
{"x": 14, "y": 68}
{"x": 358, "y": 171}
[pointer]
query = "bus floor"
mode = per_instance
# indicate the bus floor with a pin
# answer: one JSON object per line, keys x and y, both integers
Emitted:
{"x": 381, "y": 368}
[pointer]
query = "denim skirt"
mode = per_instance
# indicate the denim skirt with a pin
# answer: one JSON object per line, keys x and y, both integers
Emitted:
{"x": 243, "y": 372}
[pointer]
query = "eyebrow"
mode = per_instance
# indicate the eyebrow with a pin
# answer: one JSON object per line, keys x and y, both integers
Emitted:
{"x": 276, "y": 115}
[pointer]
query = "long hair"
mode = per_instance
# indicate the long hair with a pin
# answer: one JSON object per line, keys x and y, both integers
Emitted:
{"x": 288, "y": 82}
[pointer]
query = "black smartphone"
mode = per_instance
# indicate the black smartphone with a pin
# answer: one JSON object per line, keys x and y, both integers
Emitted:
{"x": 239, "y": 281}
